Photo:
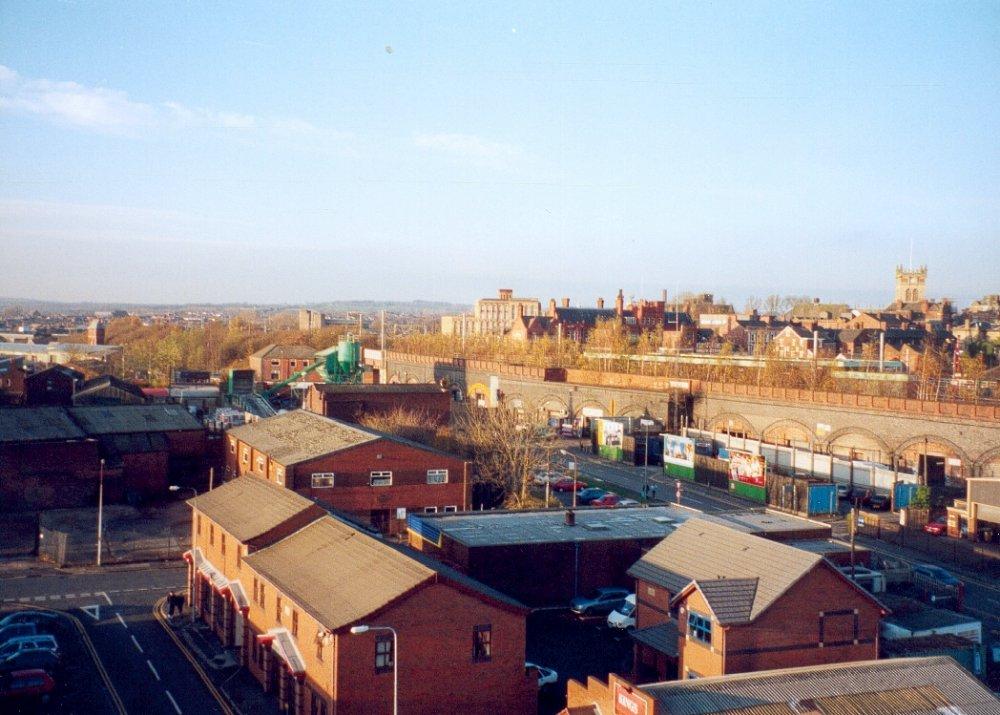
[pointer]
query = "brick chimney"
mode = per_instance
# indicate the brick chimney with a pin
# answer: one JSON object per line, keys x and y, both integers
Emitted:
{"x": 600, "y": 303}
{"x": 565, "y": 302}
{"x": 620, "y": 303}
{"x": 552, "y": 307}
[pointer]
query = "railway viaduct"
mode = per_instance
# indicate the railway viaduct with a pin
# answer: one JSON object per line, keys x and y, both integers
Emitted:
{"x": 966, "y": 437}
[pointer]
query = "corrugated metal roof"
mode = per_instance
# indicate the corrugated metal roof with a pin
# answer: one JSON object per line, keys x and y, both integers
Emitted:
{"x": 336, "y": 573}
{"x": 122, "y": 419}
{"x": 910, "y": 686}
{"x": 37, "y": 424}
{"x": 301, "y": 435}
{"x": 702, "y": 551}
{"x": 248, "y": 507}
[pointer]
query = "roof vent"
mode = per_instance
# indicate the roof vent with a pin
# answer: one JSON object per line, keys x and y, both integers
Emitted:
{"x": 570, "y": 517}
{"x": 596, "y": 526}
{"x": 664, "y": 520}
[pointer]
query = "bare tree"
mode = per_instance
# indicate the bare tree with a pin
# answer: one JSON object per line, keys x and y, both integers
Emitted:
{"x": 414, "y": 425}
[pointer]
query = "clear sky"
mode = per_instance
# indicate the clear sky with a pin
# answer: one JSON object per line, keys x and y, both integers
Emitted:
{"x": 189, "y": 151}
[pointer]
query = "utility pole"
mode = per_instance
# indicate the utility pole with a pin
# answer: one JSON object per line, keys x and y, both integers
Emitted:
{"x": 100, "y": 513}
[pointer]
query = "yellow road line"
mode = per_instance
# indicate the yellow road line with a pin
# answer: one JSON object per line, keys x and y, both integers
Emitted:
{"x": 112, "y": 692}
{"x": 219, "y": 697}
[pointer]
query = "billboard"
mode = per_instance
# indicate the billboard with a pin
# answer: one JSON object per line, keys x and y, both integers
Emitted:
{"x": 747, "y": 475}
{"x": 678, "y": 456}
{"x": 610, "y": 435}
{"x": 629, "y": 701}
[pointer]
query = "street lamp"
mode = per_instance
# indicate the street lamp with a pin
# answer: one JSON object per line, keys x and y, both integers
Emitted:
{"x": 177, "y": 488}
{"x": 358, "y": 630}
{"x": 576, "y": 473}
{"x": 100, "y": 512}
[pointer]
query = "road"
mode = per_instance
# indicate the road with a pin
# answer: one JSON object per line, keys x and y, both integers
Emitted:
{"x": 151, "y": 675}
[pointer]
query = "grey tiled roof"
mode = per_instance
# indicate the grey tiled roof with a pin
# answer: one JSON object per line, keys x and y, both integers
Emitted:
{"x": 911, "y": 686}
{"x": 731, "y": 599}
{"x": 702, "y": 551}
{"x": 662, "y": 637}
{"x": 248, "y": 506}
{"x": 122, "y": 419}
{"x": 300, "y": 435}
{"x": 37, "y": 424}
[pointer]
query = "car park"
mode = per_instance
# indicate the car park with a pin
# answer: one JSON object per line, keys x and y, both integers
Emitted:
{"x": 843, "y": 491}
{"x": 589, "y": 494}
{"x": 602, "y": 601}
{"x": 17, "y": 630}
{"x": 546, "y": 676}
{"x": 879, "y": 502}
{"x": 26, "y": 684}
{"x": 937, "y": 527}
{"x": 938, "y": 586}
{"x": 23, "y": 644}
{"x": 567, "y": 484}
{"x": 44, "y": 620}
{"x": 623, "y": 618}
{"x": 31, "y": 659}
{"x": 607, "y": 501}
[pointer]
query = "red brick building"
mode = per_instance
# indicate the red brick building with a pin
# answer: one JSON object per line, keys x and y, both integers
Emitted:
{"x": 53, "y": 386}
{"x": 376, "y": 477}
{"x": 274, "y": 363}
{"x": 12, "y": 376}
{"x": 354, "y": 402}
{"x": 713, "y": 601}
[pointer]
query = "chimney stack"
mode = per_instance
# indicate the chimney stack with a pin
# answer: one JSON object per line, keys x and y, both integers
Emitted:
{"x": 520, "y": 310}
{"x": 570, "y": 517}
{"x": 620, "y": 303}
{"x": 552, "y": 307}
{"x": 600, "y": 303}
{"x": 565, "y": 302}
{"x": 664, "y": 296}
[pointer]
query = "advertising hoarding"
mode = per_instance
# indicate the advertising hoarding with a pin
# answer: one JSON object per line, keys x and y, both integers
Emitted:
{"x": 609, "y": 439}
{"x": 747, "y": 475}
{"x": 678, "y": 456}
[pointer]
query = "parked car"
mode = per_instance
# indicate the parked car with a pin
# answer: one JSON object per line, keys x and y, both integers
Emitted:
{"x": 843, "y": 491}
{"x": 29, "y": 683}
{"x": 17, "y": 630}
{"x": 31, "y": 659}
{"x": 546, "y": 676}
{"x": 23, "y": 644}
{"x": 567, "y": 484}
{"x": 879, "y": 502}
{"x": 45, "y": 621}
{"x": 627, "y": 502}
{"x": 938, "y": 526}
{"x": 589, "y": 494}
{"x": 624, "y": 617}
{"x": 541, "y": 478}
{"x": 604, "y": 600}
{"x": 938, "y": 586}
{"x": 607, "y": 501}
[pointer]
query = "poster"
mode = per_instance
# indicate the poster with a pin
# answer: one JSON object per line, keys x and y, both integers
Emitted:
{"x": 746, "y": 468}
{"x": 678, "y": 456}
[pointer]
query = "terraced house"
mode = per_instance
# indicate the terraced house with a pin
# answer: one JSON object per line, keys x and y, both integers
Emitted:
{"x": 714, "y": 601}
{"x": 375, "y": 477}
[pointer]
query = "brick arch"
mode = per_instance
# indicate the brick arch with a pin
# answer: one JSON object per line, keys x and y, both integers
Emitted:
{"x": 789, "y": 421}
{"x": 939, "y": 441}
{"x": 987, "y": 457}
{"x": 589, "y": 402}
{"x": 394, "y": 378}
{"x": 634, "y": 407}
{"x": 864, "y": 432}
{"x": 545, "y": 402}
{"x": 738, "y": 421}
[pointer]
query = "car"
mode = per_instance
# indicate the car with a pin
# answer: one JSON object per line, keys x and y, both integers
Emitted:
{"x": 23, "y": 644}
{"x": 843, "y": 491}
{"x": 567, "y": 484}
{"x": 935, "y": 574}
{"x": 541, "y": 478}
{"x": 624, "y": 617}
{"x": 546, "y": 676}
{"x": 16, "y": 630}
{"x": 627, "y": 503}
{"x": 938, "y": 526}
{"x": 604, "y": 600}
{"x": 45, "y": 621}
{"x": 27, "y": 683}
{"x": 879, "y": 502}
{"x": 30, "y": 659}
{"x": 589, "y": 494}
{"x": 607, "y": 501}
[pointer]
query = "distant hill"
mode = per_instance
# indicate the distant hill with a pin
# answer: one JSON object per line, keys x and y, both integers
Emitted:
{"x": 413, "y": 307}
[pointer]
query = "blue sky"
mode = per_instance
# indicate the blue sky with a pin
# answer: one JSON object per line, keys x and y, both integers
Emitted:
{"x": 187, "y": 151}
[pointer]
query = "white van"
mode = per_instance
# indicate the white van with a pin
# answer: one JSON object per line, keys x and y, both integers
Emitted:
{"x": 624, "y": 619}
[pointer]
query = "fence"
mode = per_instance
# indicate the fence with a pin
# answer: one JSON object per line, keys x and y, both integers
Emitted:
{"x": 979, "y": 557}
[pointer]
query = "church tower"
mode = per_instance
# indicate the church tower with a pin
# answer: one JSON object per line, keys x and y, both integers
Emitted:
{"x": 911, "y": 285}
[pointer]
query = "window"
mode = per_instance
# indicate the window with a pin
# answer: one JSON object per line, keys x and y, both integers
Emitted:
{"x": 275, "y": 363}
{"x": 295, "y": 623}
{"x": 384, "y": 657}
{"x": 239, "y": 557}
{"x": 437, "y": 476}
{"x": 277, "y": 608}
{"x": 322, "y": 480}
{"x": 232, "y": 446}
{"x": 279, "y": 475}
{"x": 482, "y": 643}
{"x": 274, "y": 374}
{"x": 211, "y": 534}
{"x": 197, "y": 523}
{"x": 245, "y": 458}
{"x": 222, "y": 543}
{"x": 449, "y": 509}
{"x": 381, "y": 479}
{"x": 317, "y": 705}
{"x": 260, "y": 463}
{"x": 291, "y": 364}
{"x": 319, "y": 644}
{"x": 430, "y": 510}
{"x": 699, "y": 627}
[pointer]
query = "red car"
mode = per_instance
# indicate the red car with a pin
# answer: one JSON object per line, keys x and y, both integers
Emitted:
{"x": 938, "y": 527}
{"x": 567, "y": 484}
{"x": 26, "y": 684}
{"x": 608, "y": 501}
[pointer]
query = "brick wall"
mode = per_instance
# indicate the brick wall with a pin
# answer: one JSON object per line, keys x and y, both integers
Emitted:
{"x": 354, "y": 406}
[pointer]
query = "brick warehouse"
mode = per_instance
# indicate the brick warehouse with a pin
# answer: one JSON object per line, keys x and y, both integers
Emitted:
{"x": 375, "y": 477}
{"x": 354, "y": 402}
{"x": 714, "y": 601}
{"x": 287, "y": 597}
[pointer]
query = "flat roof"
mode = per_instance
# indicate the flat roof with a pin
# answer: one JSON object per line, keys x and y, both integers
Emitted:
{"x": 121, "y": 419}
{"x": 825, "y": 546}
{"x": 507, "y": 528}
{"x": 37, "y": 424}
{"x": 916, "y": 616}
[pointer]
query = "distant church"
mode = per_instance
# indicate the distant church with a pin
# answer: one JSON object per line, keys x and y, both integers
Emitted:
{"x": 911, "y": 285}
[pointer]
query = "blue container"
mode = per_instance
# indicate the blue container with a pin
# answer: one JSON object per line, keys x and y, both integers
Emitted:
{"x": 822, "y": 499}
{"x": 904, "y": 495}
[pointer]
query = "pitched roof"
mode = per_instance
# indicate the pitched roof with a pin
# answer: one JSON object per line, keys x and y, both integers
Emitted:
{"x": 247, "y": 507}
{"x": 104, "y": 381}
{"x": 587, "y": 316}
{"x": 293, "y": 352}
{"x": 362, "y": 390}
{"x": 704, "y": 552}
{"x": 337, "y": 573}
{"x": 37, "y": 424}
{"x": 300, "y": 435}
{"x": 911, "y": 686}
{"x": 120, "y": 419}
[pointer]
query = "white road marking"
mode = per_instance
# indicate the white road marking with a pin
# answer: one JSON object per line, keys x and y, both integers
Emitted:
{"x": 173, "y": 702}
{"x": 70, "y": 595}
{"x": 155, "y": 674}
{"x": 84, "y": 595}
{"x": 40, "y": 598}
{"x": 104, "y": 593}
{"x": 136, "y": 643}
{"x": 121, "y": 620}
{"x": 92, "y": 611}
{"x": 24, "y": 599}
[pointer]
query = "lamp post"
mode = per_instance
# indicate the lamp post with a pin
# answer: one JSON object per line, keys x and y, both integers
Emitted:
{"x": 100, "y": 512}
{"x": 576, "y": 473}
{"x": 357, "y": 630}
{"x": 177, "y": 488}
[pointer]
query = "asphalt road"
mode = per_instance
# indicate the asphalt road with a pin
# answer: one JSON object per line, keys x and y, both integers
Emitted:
{"x": 151, "y": 675}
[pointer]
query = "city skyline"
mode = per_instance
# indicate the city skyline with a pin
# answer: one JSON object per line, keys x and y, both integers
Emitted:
{"x": 231, "y": 154}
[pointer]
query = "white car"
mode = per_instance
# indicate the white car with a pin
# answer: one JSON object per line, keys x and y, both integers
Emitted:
{"x": 623, "y": 619}
{"x": 541, "y": 478}
{"x": 546, "y": 676}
